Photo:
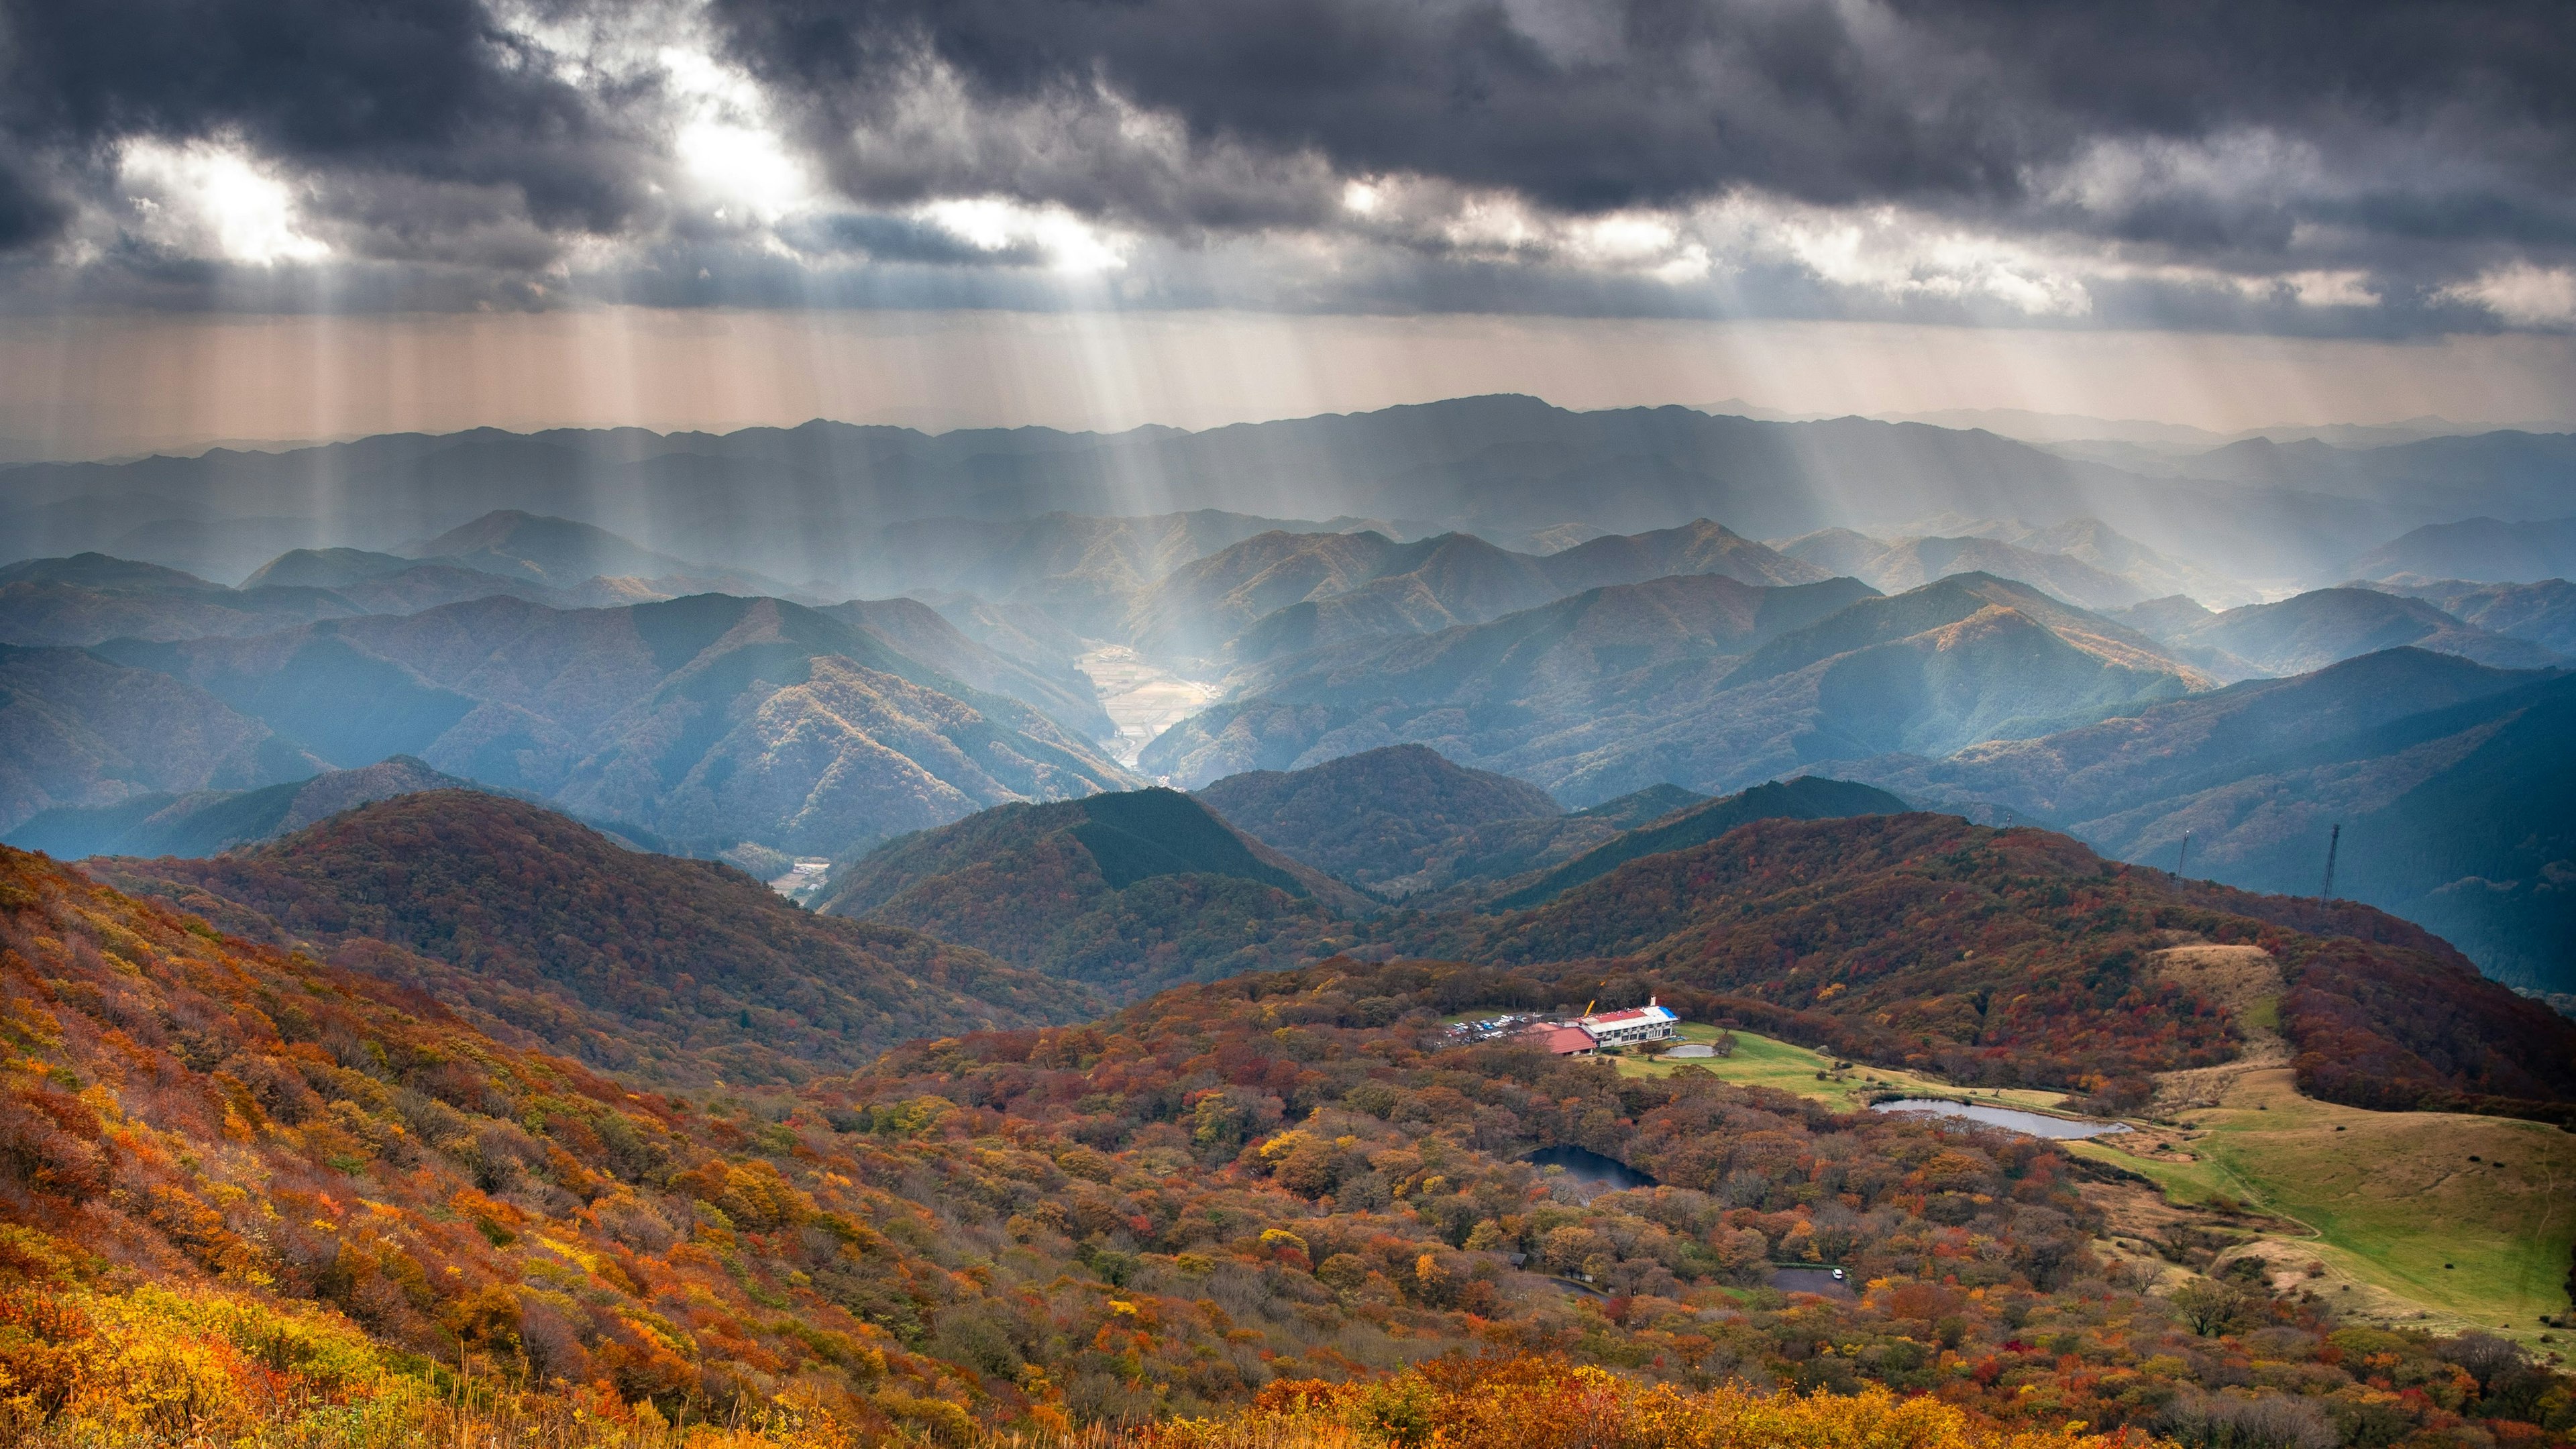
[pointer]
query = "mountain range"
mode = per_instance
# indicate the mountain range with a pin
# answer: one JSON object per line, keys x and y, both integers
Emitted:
{"x": 711, "y": 718}
{"x": 1702, "y": 682}
{"x": 2447, "y": 777}
{"x": 813, "y": 503}
{"x": 1285, "y": 593}
{"x": 2322, "y": 627}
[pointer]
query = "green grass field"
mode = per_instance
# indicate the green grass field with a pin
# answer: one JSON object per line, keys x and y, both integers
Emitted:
{"x": 2394, "y": 1200}
{"x": 1761, "y": 1061}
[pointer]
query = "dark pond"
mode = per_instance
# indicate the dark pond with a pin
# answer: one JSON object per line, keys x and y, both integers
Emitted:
{"x": 2031, "y": 1124}
{"x": 1594, "y": 1171}
{"x": 1811, "y": 1280}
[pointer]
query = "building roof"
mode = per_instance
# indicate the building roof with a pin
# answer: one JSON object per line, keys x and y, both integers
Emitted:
{"x": 1631, "y": 1015}
{"x": 1562, "y": 1040}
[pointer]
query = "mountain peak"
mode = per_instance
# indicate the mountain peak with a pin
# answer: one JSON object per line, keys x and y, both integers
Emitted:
{"x": 1372, "y": 817}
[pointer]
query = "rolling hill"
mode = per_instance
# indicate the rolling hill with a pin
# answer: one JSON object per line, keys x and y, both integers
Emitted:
{"x": 954, "y": 1239}
{"x": 1125, "y": 892}
{"x": 667, "y": 970}
{"x": 1700, "y": 682}
{"x": 1373, "y": 817}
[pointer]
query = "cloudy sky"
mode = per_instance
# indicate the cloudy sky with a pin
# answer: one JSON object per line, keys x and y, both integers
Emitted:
{"x": 2370, "y": 209}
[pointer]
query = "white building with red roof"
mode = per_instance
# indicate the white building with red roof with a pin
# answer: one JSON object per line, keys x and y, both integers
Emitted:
{"x": 1649, "y": 1022}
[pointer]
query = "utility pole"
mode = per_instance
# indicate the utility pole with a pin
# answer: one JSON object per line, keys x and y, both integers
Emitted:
{"x": 2333, "y": 839}
{"x": 2182, "y": 855}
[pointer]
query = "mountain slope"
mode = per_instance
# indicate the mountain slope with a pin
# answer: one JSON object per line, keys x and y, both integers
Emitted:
{"x": 1372, "y": 817}
{"x": 1808, "y": 797}
{"x": 1704, "y": 683}
{"x": 706, "y": 720}
{"x": 80, "y": 731}
{"x": 918, "y": 632}
{"x": 1127, "y": 892}
{"x": 667, "y": 969}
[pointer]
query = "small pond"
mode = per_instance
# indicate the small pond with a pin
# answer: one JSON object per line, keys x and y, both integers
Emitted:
{"x": 1594, "y": 1171}
{"x": 2031, "y": 1124}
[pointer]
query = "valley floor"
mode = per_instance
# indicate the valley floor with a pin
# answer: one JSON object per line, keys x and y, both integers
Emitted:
{"x": 1142, "y": 697}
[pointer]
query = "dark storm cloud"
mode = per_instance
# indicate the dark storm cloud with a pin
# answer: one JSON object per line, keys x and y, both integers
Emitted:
{"x": 1971, "y": 105}
{"x": 414, "y": 89}
{"x": 452, "y": 160}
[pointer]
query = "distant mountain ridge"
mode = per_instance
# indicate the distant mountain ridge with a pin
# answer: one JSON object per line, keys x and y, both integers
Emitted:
{"x": 1896, "y": 565}
{"x": 2449, "y": 778}
{"x": 204, "y": 822}
{"x": 1284, "y": 593}
{"x": 2542, "y": 612}
{"x": 808, "y": 503}
{"x": 2325, "y": 626}
{"x": 704, "y": 720}
{"x": 1704, "y": 682}
{"x": 2481, "y": 550}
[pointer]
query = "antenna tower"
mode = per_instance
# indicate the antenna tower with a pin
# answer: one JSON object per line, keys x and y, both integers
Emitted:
{"x": 2182, "y": 855}
{"x": 2333, "y": 839}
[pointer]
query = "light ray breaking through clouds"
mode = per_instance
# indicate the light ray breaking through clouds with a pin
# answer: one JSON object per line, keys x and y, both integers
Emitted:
{"x": 93, "y": 387}
{"x": 2269, "y": 171}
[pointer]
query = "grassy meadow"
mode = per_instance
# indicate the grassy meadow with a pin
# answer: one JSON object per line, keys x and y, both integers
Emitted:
{"x": 2466, "y": 1220}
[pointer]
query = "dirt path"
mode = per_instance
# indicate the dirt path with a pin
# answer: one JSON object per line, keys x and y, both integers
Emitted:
{"x": 2247, "y": 982}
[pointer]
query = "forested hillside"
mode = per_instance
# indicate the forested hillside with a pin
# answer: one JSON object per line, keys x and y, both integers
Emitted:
{"x": 1374, "y": 817}
{"x": 2019, "y": 956}
{"x": 1126, "y": 892}
{"x": 670, "y": 970}
{"x": 269, "y": 1189}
